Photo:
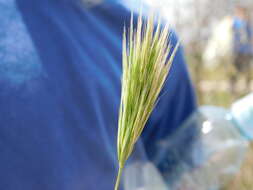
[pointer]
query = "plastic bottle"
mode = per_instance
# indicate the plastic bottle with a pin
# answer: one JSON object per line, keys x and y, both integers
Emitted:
{"x": 215, "y": 144}
{"x": 204, "y": 154}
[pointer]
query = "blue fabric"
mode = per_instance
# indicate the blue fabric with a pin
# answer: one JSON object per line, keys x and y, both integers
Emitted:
{"x": 243, "y": 36}
{"x": 60, "y": 69}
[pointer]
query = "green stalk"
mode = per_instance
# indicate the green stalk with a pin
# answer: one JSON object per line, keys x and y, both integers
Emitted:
{"x": 119, "y": 177}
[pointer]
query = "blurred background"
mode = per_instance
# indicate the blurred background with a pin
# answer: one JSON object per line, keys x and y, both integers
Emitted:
{"x": 217, "y": 37}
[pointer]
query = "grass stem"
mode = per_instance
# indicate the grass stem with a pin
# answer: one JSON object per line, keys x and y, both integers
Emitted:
{"x": 119, "y": 177}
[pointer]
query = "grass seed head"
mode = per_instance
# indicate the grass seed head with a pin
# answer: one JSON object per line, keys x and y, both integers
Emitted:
{"x": 146, "y": 64}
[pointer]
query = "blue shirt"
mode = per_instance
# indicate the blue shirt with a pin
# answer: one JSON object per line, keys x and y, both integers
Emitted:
{"x": 243, "y": 36}
{"x": 60, "y": 70}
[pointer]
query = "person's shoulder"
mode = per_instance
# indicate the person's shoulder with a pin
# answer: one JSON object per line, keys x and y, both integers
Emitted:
{"x": 238, "y": 22}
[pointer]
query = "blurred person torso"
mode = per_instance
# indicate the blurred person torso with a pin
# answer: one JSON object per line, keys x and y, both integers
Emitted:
{"x": 243, "y": 34}
{"x": 60, "y": 69}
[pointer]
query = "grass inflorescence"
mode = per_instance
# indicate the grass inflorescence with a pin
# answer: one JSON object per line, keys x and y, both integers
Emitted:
{"x": 147, "y": 58}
